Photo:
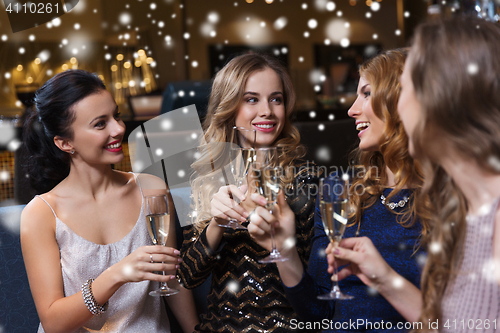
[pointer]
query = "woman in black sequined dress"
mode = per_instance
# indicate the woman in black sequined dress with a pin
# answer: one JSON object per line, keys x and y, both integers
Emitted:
{"x": 251, "y": 91}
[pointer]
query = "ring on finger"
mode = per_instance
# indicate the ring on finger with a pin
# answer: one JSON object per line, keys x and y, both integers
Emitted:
{"x": 151, "y": 257}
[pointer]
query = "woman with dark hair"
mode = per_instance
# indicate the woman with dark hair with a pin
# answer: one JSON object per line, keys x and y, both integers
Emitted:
{"x": 255, "y": 92}
{"x": 88, "y": 254}
{"x": 450, "y": 108}
{"x": 384, "y": 174}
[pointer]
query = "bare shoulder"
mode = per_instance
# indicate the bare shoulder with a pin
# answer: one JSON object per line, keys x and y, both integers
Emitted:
{"x": 37, "y": 216}
{"x": 151, "y": 184}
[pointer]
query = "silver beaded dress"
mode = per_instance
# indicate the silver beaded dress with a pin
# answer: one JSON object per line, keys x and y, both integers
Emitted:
{"x": 130, "y": 309}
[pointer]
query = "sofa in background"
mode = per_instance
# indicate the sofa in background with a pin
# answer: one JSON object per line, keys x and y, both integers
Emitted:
{"x": 17, "y": 310}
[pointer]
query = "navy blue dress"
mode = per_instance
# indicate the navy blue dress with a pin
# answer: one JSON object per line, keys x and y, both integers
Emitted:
{"x": 368, "y": 311}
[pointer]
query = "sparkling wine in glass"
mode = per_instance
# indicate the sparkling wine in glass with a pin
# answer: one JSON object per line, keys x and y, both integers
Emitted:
{"x": 159, "y": 226}
{"x": 266, "y": 177}
{"x": 241, "y": 156}
{"x": 334, "y": 204}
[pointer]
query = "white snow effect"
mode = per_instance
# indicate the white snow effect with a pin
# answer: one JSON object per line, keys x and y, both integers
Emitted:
{"x": 312, "y": 24}
{"x": 125, "y": 18}
{"x": 233, "y": 286}
{"x": 472, "y": 68}
{"x": 280, "y": 23}
{"x": 375, "y": 6}
{"x": 336, "y": 30}
{"x": 323, "y": 153}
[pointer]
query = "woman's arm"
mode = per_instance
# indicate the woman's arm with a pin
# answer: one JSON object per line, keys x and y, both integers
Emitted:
{"x": 182, "y": 304}
{"x": 368, "y": 265}
{"x": 223, "y": 208}
{"x": 301, "y": 287}
{"x": 42, "y": 260}
{"x": 198, "y": 259}
{"x": 199, "y": 249}
{"x": 284, "y": 234}
{"x": 183, "y": 307}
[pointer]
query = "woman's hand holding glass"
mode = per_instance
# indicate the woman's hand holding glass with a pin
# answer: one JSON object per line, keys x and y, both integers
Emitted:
{"x": 142, "y": 264}
{"x": 241, "y": 154}
{"x": 363, "y": 260}
{"x": 225, "y": 209}
{"x": 334, "y": 204}
{"x": 282, "y": 219}
{"x": 265, "y": 180}
{"x": 160, "y": 225}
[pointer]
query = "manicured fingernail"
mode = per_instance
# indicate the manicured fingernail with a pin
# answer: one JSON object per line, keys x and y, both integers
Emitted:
{"x": 172, "y": 277}
{"x": 336, "y": 251}
{"x": 263, "y": 201}
{"x": 177, "y": 266}
{"x": 177, "y": 252}
{"x": 246, "y": 214}
{"x": 179, "y": 259}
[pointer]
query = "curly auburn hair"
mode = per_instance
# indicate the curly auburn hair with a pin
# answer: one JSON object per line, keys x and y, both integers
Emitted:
{"x": 383, "y": 72}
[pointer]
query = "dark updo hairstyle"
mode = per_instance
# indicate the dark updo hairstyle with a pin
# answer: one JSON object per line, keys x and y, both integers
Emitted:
{"x": 52, "y": 115}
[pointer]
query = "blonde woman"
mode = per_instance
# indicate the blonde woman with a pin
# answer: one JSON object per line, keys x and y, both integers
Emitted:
{"x": 255, "y": 92}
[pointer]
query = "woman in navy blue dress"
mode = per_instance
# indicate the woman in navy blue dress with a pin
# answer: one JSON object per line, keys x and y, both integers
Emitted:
{"x": 385, "y": 180}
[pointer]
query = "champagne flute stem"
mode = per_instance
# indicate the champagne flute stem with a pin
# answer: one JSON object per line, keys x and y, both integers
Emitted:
{"x": 335, "y": 286}
{"x": 273, "y": 242}
{"x": 164, "y": 285}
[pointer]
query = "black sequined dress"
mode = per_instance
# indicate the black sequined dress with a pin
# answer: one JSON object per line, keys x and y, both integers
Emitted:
{"x": 246, "y": 296}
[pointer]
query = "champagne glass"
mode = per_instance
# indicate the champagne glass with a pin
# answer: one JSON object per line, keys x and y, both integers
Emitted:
{"x": 241, "y": 155}
{"x": 158, "y": 221}
{"x": 243, "y": 137}
{"x": 266, "y": 178}
{"x": 334, "y": 203}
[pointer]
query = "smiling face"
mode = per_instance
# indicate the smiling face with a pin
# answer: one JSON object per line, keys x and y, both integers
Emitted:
{"x": 263, "y": 107}
{"x": 97, "y": 130}
{"x": 409, "y": 107}
{"x": 370, "y": 126}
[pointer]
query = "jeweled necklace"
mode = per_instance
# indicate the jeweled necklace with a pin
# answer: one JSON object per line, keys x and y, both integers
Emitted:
{"x": 393, "y": 205}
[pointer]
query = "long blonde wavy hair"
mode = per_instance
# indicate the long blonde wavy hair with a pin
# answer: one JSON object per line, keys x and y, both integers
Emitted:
{"x": 462, "y": 107}
{"x": 225, "y": 100}
{"x": 383, "y": 72}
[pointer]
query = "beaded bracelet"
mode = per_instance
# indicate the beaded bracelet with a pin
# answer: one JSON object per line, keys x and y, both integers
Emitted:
{"x": 90, "y": 302}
